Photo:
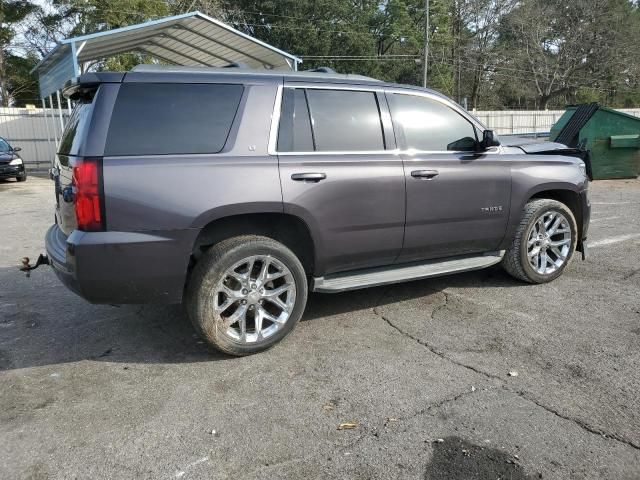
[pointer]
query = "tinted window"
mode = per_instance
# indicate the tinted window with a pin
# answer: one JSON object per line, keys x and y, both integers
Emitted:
{"x": 294, "y": 133}
{"x": 4, "y": 146}
{"x": 74, "y": 132}
{"x": 430, "y": 125}
{"x": 156, "y": 119}
{"x": 345, "y": 120}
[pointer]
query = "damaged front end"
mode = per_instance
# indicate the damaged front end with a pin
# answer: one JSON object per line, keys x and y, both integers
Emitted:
{"x": 535, "y": 147}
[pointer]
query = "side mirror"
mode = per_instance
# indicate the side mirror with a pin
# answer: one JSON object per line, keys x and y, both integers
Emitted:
{"x": 488, "y": 140}
{"x": 16, "y": 149}
{"x": 466, "y": 144}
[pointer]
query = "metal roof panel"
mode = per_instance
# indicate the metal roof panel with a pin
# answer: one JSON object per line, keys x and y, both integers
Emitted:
{"x": 189, "y": 39}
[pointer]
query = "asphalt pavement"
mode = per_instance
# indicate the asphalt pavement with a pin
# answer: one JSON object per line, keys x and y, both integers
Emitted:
{"x": 467, "y": 376}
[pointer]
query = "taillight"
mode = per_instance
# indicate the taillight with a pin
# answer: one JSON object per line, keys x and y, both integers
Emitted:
{"x": 87, "y": 184}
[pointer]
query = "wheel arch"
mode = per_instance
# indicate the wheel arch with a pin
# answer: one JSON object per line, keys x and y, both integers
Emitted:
{"x": 287, "y": 229}
{"x": 568, "y": 197}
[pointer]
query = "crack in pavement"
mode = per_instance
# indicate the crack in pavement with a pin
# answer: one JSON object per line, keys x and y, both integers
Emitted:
{"x": 520, "y": 393}
{"x": 430, "y": 347}
{"x": 580, "y": 423}
{"x": 377, "y": 433}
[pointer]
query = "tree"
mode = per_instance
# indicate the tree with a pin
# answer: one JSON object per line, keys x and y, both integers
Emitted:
{"x": 565, "y": 46}
{"x": 496, "y": 53}
{"x": 13, "y": 82}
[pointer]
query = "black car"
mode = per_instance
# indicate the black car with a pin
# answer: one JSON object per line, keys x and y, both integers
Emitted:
{"x": 11, "y": 164}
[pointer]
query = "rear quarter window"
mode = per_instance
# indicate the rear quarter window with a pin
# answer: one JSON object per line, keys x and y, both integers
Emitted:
{"x": 76, "y": 128}
{"x": 161, "y": 119}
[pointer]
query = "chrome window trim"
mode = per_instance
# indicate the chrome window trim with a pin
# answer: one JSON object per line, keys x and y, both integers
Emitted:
{"x": 275, "y": 120}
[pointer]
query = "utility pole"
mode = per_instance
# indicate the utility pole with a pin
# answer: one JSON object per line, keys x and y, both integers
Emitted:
{"x": 425, "y": 60}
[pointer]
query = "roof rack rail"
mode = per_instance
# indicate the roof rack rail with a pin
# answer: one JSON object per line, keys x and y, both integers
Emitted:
{"x": 321, "y": 70}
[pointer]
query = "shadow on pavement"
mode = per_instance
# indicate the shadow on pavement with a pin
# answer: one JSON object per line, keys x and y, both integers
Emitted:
{"x": 321, "y": 305}
{"x": 456, "y": 459}
{"x": 42, "y": 323}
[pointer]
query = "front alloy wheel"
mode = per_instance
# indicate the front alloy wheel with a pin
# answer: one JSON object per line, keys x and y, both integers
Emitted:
{"x": 549, "y": 242}
{"x": 543, "y": 243}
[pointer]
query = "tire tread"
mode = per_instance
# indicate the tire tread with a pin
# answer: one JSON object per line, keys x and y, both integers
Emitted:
{"x": 512, "y": 262}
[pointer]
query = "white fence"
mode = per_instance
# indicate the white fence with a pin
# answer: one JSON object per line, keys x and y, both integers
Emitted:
{"x": 537, "y": 122}
{"x": 36, "y": 130}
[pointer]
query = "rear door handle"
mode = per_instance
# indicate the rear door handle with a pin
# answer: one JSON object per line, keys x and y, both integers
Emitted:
{"x": 308, "y": 177}
{"x": 426, "y": 174}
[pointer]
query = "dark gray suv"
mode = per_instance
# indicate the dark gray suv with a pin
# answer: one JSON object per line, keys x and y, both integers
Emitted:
{"x": 237, "y": 191}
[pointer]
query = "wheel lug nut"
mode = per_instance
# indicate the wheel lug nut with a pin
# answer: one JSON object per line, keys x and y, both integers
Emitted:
{"x": 245, "y": 291}
{"x": 253, "y": 285}
{"x": 244, "y": 302}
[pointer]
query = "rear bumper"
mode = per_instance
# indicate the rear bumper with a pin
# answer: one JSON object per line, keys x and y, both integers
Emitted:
{"x": 122, "y": 267}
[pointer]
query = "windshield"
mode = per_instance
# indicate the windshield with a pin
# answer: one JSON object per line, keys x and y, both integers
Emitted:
{"x": 4, "y": 146}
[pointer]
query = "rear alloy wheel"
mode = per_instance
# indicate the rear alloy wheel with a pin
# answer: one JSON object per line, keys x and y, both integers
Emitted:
{"x": 255, "y": 298}
{"x": 544, "y": 242}
{"x": 246, "y": 294}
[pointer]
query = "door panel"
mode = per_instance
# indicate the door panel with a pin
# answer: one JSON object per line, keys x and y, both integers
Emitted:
{"x": 464, "y": 209}
{"x": 457, "y": 199}
{"x": 341, "y": 174}
{"x": 356, "y": 214}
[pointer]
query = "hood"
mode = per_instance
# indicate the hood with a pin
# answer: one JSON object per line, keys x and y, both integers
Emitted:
{"x": 536, "y": 147}
{"x": 544, "y": 147}
{"x": 6, "y": 157}
{"x": 533, "y": 145}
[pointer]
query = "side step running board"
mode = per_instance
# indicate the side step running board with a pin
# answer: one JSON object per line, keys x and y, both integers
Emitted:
{"x": 372, "y": 277}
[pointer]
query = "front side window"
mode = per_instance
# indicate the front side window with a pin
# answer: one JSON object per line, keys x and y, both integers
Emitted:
{"x": 429, "y": 125}
{"x": 161, "y": 118}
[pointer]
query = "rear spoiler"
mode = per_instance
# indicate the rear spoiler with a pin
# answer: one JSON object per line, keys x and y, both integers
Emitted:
{"x": 87, "y": 83}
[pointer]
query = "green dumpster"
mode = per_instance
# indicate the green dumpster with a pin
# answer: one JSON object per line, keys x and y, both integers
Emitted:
{"x": 612, "y": 138}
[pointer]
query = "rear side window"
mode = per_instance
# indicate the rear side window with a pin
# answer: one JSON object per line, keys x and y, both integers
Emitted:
{"x": 160, "y": 119}
{"x": 294, "y": 133}
{"x": 325, "y": 120}
{"x": 345, "y": 120}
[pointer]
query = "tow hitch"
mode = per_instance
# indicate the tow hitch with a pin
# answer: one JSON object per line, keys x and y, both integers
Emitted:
{"x": 26, "y": 268}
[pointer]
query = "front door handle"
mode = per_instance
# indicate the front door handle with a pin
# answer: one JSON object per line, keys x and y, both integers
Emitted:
{"x": 308, "y": 177}
{"x": 426, "y": 174}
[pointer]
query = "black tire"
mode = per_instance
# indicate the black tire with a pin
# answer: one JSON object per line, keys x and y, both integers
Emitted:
{"x": 22, "y": 179}
{"x": 516, "y": 259}
{"x": 210, "y": 271}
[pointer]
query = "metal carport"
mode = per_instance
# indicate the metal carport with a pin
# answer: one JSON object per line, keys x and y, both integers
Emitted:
{"x": 193, "y": 39}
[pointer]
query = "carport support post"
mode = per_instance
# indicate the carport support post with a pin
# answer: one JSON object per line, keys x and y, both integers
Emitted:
{"x": 60, "y": 113}
{"x": 53, "y": 119}
{"x": 46, "y": 123}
